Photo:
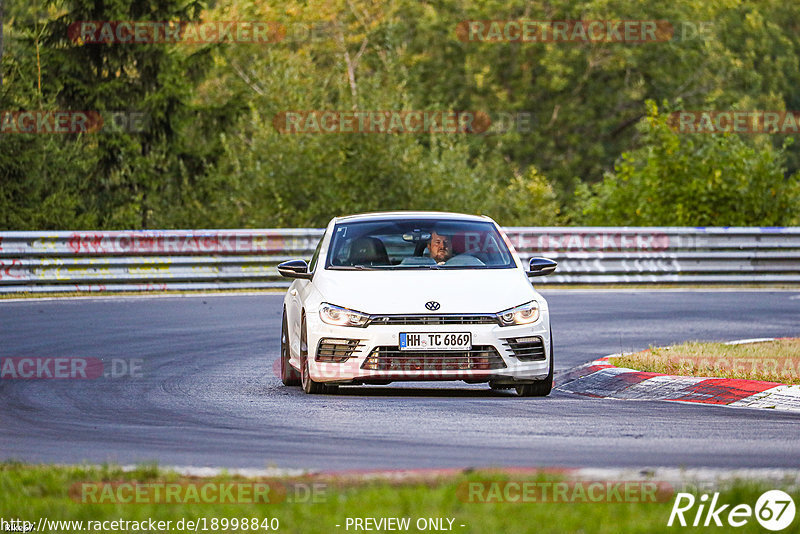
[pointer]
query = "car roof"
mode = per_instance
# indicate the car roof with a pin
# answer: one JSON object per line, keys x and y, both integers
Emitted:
{"x": 388, "y": 215}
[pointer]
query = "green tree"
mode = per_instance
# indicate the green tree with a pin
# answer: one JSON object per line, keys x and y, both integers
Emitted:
{"x": 527, "y": 200}
{"x": 124, "y": 178}
{"x": 268, "y": 178}
{"x": 677, "y": 179}
{"x": 138, "y": 174}
{"x": 586, "y": 98}
{"x": 210, "y": 155}
{"x": 43, "y": 178}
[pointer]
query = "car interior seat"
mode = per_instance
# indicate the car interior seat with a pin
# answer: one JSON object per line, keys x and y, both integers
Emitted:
{"x": 368, "y": 251}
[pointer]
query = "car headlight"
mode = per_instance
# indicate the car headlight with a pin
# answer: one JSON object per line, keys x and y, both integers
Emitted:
{"x": 524, "y": 314}
{"x": 338, "y": 316}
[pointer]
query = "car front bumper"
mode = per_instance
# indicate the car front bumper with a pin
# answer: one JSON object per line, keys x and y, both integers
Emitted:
{"x": 499, "y": 354}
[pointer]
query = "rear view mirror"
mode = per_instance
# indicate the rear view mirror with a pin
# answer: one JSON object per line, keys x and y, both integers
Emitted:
{"x": 541, "y": 266}
{"x": 416, "y": 236}
{"x": 294, "y": 269}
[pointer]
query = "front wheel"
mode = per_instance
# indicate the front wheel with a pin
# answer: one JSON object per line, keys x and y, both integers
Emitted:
{"x": 540, "y": 388}
{"x": 309, "y": 386}
{"x": 289, "y": 375}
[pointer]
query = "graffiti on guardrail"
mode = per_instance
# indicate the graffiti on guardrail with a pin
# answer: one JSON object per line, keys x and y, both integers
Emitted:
{"x": 132, "y": 243}
{"x": 150, "y": 287}
{"x": 11, "y": 269}
{"x": 151, "y": 260}
{"x": 91, "y": 288}
{"x": 633, "y": 265}
{"x": 591, "y": 241}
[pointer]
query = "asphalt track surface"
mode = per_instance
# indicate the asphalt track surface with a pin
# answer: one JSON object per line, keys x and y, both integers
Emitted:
{"x": 207, "y": 394}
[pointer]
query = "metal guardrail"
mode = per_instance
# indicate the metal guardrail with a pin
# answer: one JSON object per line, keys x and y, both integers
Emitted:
{"x": 246, "y": 259}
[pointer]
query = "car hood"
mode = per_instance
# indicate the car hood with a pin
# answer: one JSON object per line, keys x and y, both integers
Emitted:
{"x": 457, "y": 291}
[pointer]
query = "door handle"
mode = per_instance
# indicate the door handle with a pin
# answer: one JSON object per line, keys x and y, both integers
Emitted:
{"x": 293, "y": 292}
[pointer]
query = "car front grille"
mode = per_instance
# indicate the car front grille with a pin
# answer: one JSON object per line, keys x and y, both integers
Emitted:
{"x": 414, "y": 320}
{"x": 337, "y": 350}
{"x": 527, "y": 349}
{"x": 479, "y": 358}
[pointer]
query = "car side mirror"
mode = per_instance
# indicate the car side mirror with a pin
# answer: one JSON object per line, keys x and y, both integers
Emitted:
{"x": 541, "y": 267}
{"x": 295, "y": 269}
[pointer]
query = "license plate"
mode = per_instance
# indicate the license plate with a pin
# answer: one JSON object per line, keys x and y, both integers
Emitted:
{"x": 435, "y": 341}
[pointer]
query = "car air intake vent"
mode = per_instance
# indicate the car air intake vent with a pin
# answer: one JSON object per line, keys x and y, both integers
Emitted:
{"x": 527, "y": 349}
{"x": 432, "y": 319}
{"x": 480, "y": 357}
{"x": 337, "y": 350}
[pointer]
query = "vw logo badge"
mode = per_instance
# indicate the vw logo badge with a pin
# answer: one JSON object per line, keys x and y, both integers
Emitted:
{"x": 432, "y": 305}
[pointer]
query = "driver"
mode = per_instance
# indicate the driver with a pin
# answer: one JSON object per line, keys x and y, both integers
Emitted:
{"x": 440, "y": 247}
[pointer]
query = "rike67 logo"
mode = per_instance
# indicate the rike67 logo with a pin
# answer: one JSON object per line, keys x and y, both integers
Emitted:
{"x": 774, "y": 510}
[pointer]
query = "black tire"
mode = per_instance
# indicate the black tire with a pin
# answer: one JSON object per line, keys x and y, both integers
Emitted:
{"x": 540, "y": 388}
{"x": 309, "y": 386}
{"x": 289, "y": 375}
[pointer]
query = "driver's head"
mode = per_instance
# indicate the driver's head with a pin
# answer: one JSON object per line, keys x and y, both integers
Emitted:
{"x": 440, "y": 247}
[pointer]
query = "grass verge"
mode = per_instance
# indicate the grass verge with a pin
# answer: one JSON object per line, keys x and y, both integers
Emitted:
{"x": 771, "y": 361}
{"x": 32, "y": 492}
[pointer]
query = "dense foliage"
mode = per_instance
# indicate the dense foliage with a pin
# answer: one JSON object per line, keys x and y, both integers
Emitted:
{"x": 693, "y": 180}
{"x": 581, "y": 141}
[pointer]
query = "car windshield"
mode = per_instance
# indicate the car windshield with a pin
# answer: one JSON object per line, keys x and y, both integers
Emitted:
{"x": 418, "y": 244}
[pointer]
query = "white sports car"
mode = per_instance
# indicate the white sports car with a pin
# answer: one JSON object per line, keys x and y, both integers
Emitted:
{"x": 402, "y": 296}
